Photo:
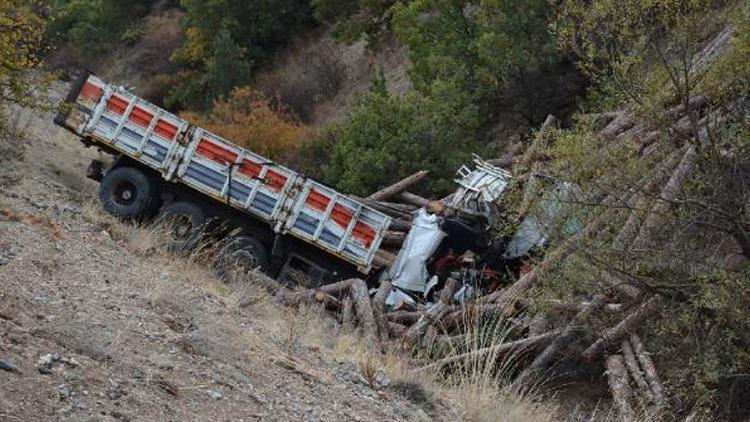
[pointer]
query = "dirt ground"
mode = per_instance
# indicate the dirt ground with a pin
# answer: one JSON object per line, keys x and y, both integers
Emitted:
{"x": 97, "y": 324}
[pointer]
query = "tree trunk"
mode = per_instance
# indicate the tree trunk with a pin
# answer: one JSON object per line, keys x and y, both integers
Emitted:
{"x": 635, "y": 370}
{"x": 648, "y": 368}
{"x": 552, "y": 259}
{"x": 617, "y": 377}
{"x": 629, "y": 324}
{"x": 378, "y": 308}
{"x": 492, "y": 352}
{"x": 347, "y": 313}
{"x": 365, "y": 316}
{"x": 399, "y": 186}
{"x": 543, "y": 360}
{"x": 410, "y": 198}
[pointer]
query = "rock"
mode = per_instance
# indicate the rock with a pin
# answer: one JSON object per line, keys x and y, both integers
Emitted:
{"x": 215, "y": 394}
{"x": 44, "y": 364}
{"x": 5, "y": 366}
{"x": 64, "y": 392}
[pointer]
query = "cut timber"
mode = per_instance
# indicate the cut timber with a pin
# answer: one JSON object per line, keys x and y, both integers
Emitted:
{"x": 396, "y": 330}
{"x": 492, "y": 352}
{"x": 508, "y": 296}
{"x": 414, "y": 335}
{"x": 347, "y": 312}
{"x": 543, "y": 360}
{"x": 399, "y": 186}
{"x": 411, "y": 198}
{"x": 630, "y": 229}
{"x": 550, "y": 123}
{"x": 333, "y": 290}
{"x": 617, "y": 377}
{"x": 620, "y": 124}
{"x": 378, "y": 308}
{"x": 629, "y": 324}
{"x": 404, "y": 317}
{"x": 635, "y": 370}
{"x": 399, "y": 225}
{"x": 668, "y": 194}
{"x": 363, "y": 310}
{"x": 648, "y": 368}
{"x": 383, "y": 259}
{"x": 392, "y": 238}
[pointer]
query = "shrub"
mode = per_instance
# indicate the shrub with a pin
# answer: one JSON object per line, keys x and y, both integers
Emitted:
{"x": 388, "y": 138}
{"x": 247, "y": 119}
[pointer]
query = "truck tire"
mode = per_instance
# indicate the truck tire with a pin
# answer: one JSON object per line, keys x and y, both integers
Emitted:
{"x": 240, "y": 254}
{"x": 129, "y": 194}
{"x": 185, "y": 223}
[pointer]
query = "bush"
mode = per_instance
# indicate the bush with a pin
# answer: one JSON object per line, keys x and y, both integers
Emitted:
{"x": 388, "y": 138}
{"x": 247, "y": 119}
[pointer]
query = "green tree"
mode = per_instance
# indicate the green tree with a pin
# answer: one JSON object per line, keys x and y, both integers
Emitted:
{"x": 478, "y": 48}
{"x": 387, "y": 138}
{"x": 228, "y": 68}
{"x": 91, "y": 26}
{"x": 351, "y": 19}
{"x": 245, "y": 31}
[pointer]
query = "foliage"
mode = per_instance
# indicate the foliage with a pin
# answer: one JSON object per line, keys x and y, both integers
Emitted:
{"x": 91, "y": 26}
{"x": 247, "y": 119}
{"x": 617, "y": 44}
{"x": 350, "y": 19}
{"x": 225, "y": 40}
{"x": 21, "y": 34}
{"x": 388, "y": 138}
{"x": 473, "y": 50}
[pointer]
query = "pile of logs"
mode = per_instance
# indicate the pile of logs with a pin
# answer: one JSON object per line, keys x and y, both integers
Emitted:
{"x": 396, "y": 202}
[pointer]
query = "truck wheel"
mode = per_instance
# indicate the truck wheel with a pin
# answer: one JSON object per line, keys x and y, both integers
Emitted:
{"x": 240, "y": 254}
{"x": 129, "y": 194}
{"x": 184, "y": 223}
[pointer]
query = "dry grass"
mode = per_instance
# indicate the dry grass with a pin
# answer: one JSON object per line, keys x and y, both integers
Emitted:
{"x": 474, "y": 392}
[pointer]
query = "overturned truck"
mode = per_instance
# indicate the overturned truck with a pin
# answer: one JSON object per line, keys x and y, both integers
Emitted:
{"x": 265, "y": 214}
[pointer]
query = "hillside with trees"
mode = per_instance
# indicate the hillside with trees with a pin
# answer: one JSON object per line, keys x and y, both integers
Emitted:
{"x": 653, "y": 127}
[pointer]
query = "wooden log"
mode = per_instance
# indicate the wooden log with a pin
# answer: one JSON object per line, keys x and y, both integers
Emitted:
{"x": 412, "y": 199}
{"x": 668, "y": 194}
{"x": 347, "y": 312}
{"x": 628, "y": 325}
{"x": 550, "y": 123}
{"x": 620, "y": 124}
{"x": 451, "y": 287}
{"x": 399, "y": 225}
{"x": 543, "y": 360}
{"x": 378, "y": 308}
{"x": 392, "y": 238}
{"x": 383, "y": 259}
{"x": 617, "y": 377}
{"x": 508, "y": 296}
{"x": 652, "y": 377}
{"x": 363, "y": 309}
{"x": 414, "y": 335}
{"x": 393, "y": 212}
{"x": 399, "y": 186}
{"x": 635, "y": 370}
{"x": 404, "y": 317}
{"x": 491, "y": 352}
{"x": 642, "y": 200}
{"x": 335, "y": 290}
{"x": 396, "y": 330}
